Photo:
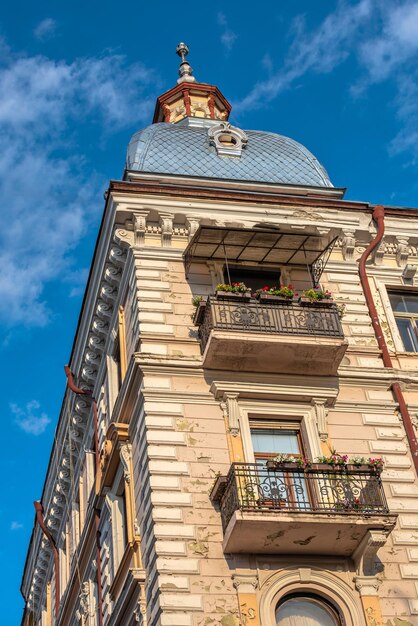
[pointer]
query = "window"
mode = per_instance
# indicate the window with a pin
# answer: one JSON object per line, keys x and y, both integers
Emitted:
{"x": 253, "y": 278}
{"x": 306, "y": 610}
{"x": 405, "y": 310}
{"x": 286, "y": 488}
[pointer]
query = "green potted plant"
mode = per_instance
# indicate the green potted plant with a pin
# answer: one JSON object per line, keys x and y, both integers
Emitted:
{"x": 317, "y": 296}
{"x": 200, "y": 305}
{"x": 359, "y": 464}
{"x": 376, "y": 464}
{"x": 225, "y": 291}
{"x": 283, "y": 294}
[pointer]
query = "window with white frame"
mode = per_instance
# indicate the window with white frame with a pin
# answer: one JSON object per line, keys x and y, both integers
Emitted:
{"x": 405, "y": 310}
{"x": 116, "y": 503}
{"x": 306, "y": 610}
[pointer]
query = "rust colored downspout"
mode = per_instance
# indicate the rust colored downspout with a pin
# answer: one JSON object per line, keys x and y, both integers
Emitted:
{"x": 86, "y": 392}
{"x": 41, "y": 522}
{"x": 379, "y": 217}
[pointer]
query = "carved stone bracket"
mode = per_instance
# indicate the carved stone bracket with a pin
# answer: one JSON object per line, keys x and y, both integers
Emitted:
{"x": 348, "y": 245}
{"x": 245, "y": 583}
{"x": 367, "y": 585}
{"x": 112, "y": 454}
{"x": 140, "y": 225}
{"x": 166, "y": 223}
{"x": 231, "y": 410}
{"x": 321, "y": 413}
{"x": 379, "y": 254}
{"x": 364, "y": 556}
{"x": 402, "y": 251}
{"x": 192, "y": 224}
{"x": 125, "y": 457}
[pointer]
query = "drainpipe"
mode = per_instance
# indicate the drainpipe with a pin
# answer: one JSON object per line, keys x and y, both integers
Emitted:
{"x": 41, "y": 522}
{"x": 379, "y": 217}
{"x": 86, "y": 392}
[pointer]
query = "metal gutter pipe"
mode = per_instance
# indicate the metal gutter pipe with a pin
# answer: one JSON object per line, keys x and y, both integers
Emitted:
{"x": 41, "y": 522}
{"x": 379, "y": 217}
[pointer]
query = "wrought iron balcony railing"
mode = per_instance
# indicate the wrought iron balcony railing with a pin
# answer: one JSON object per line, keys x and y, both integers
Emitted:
{"x": 293, "y": 489}
{"x": 284, "y": 319}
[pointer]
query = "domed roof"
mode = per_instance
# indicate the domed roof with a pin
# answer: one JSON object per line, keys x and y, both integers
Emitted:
{"x": 186, "y": 149}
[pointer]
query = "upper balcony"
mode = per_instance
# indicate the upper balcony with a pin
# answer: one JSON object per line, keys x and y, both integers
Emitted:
{"x": 321, "y": 510}
{"x": 247, "y": 335}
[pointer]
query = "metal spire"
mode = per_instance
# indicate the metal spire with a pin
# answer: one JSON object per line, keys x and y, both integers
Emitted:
{"x": 185, "y": 71}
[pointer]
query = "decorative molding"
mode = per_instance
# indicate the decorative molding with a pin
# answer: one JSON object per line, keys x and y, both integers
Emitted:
{"x": 166, "y": 223}
{"x": 321, "y": 413}
{"x": 364, "y": 556}
{"x": 192, "y": 224}
{"x": 379, "y": 253}
{"x": 140, "y": 225}
{"x": 230, "y": 407}
{"x": 402, "y": 251}
{"x": 125, "y": 457}
{"x": 348, "y": 245}
{"x": 367, "y": 585}
{"x": 245, "y": 583}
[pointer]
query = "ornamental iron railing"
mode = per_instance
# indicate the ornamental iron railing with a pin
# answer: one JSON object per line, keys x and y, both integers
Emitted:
{"x": 284, "y": 319}
{"x": 334, "y": 491}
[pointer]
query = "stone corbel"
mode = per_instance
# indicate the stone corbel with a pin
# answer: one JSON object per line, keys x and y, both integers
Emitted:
{"x": 166, "y": 223}
{"x": 379, "y": 254}
{"x": 231, "y": 409}
{"x": 192, "y": 224}
{"x": 367, "y": 580}
{"x": 402, "y": 251}
{"x": 321, "y": 413}
{"x": 123, "y": 237}
{"x": 140, "y": 225}
{"x": 349, "y": 245}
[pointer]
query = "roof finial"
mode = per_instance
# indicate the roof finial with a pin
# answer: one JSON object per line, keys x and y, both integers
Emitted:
{"x": 185, "y": 71}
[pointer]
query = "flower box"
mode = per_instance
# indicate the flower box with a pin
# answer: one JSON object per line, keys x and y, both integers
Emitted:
{"x": 325, "y": 302}
{"x": 199, "y": 313}
{"x": 233, "y": 295}
{"x": 363, "y": 467}
{"x": 269, "y": 298}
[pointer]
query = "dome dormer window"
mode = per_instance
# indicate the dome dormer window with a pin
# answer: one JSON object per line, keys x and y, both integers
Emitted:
{"x": 228, "y": 140}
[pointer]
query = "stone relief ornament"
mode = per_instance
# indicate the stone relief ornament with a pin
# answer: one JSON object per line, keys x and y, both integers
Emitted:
{"x": 228, "y": 140}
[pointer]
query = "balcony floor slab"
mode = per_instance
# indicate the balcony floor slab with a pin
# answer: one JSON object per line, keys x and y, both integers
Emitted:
{"x": 300, "y": 533}
{"x": 261, "y": 352}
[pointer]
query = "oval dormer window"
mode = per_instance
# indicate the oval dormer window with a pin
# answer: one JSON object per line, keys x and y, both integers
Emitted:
{"x": 228, "y": 140}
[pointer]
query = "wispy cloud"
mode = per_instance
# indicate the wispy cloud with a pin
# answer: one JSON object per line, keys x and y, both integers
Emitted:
{"x": 29, "y": 418}
{"x": 45, "y": 29}
{"x": 228, "y": 37}
{"x": 16, "y": 526}
{"x": 50, "y": 192}
{"x": 381, "y": 35}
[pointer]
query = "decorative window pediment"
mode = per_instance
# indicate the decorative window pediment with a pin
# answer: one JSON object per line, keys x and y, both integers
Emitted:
{"x": 228, "y": 140}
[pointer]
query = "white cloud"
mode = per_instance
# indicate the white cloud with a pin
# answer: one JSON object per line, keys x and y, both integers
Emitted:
{"x": 29, "y": 419}
{"x": 16, "y": 526}
{"x": 318, "y": 51}
{"x": 45, "y": 29}
{"x": 228, "y": 37}
{"x": 50, "y": 191}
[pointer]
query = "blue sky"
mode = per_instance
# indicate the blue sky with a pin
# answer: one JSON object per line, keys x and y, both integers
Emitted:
{"x": 78, "y": 79}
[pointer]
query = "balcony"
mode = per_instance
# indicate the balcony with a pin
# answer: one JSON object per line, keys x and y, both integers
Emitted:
{"x": 260, "y": 337}
{"x": 321, "y": 510}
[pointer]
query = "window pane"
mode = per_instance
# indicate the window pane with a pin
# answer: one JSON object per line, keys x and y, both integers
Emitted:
{"x": 397, "y": 302}
{"x": 255, "y": 279}
{"x": 275, "y": 440}
{"x": 304, "y": 612}
{"x": 411, "y": 303}
{"x": 407, "y": 332}
{"x": 404, "y": 302}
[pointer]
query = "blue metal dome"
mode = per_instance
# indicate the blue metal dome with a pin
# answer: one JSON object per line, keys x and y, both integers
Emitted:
{"x": 185, "y": 149}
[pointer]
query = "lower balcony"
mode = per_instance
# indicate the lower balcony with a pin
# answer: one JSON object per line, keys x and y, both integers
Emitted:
{"x": 241, "y": 335}
{"x": 293, "y": 510}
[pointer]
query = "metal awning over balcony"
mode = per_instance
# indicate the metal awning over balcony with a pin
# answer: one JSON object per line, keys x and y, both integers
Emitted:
{"x": 269, "y": 247}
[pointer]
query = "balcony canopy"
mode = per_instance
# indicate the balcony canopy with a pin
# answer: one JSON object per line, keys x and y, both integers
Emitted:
{"x": 269, "y": 247}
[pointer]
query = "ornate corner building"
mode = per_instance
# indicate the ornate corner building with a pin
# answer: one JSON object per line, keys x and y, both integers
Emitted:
{"x": 217, "y": 462}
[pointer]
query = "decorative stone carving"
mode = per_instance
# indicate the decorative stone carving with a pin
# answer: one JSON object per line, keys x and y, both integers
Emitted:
{"x": 112, "y": 275}
{"x": 364, "y": 559}
{"x": 192, "y": 224}
{"x": 140, "y": 225}
{"x": 117, "y": 256}
{"x": 367, "y": 585}
{"x": 228, "y": 140}
{"x": 245, "y": 583}
{"x": 231, "y": 411}
{"x": 402, "y": 251}
{"x": 379, "y": 254}
{"x": 321, "y": 413}
{"x": 348, "y": 245}
{"x": 123, "y": 237}
{"x": 108, "y": 293}
{"x": 125, "y": 457}
{"x": 104, "y": 310}
{"x": 85, "y": 599}
{"x": 166, "y": 223}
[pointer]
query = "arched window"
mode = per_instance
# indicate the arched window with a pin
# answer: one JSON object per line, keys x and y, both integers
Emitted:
{"x": 306, "y": 610}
